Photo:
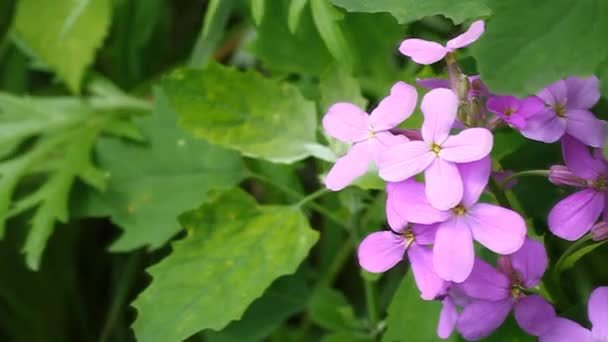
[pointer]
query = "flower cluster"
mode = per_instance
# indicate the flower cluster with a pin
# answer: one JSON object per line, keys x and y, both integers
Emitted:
{"x": 434, "y": 222}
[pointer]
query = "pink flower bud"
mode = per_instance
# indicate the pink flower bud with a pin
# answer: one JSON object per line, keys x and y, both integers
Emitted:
{"x": 599, "y": 231}
{"x": 561, "y": 175}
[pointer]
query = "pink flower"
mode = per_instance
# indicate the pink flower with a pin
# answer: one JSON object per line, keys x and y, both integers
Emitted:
{"x": 496, "y": 293}
{"x": 369, "y": 134}
{"x": 425, "y": 52}
{"x": 380, "y": 251}
{"x": 438, "y": 153}
{"x": 565, "y": 330}
{"x": 501, "y": 230}
{"x": 573, "y": 217}
{"x": 514, "y": 111}
{"x": 568, "y": 102}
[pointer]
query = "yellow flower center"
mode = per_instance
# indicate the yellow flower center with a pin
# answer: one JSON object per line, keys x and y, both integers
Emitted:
{"x": 560, "y": 110}
{"x": 435, "y": 148}
{"x": 509, "y": 111}
{"x": 459, "y": 210}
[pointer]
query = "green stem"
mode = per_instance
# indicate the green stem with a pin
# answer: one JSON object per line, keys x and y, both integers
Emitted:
{"x": 506, "y": 180}
{"x": 312, "y": 197}
{"x": 127, "y": 278}
{"x": 372, "y": 303}
{"x": 337, "y": 264}
{"x": 556, "y": 273}
{"x": 499, "y": 193}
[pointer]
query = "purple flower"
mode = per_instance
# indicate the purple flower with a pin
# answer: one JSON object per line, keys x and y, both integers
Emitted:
{"x": 369, "y": 134}
{"x": 496, "y": 293}
{"x": 501, "y": 230}
{"x": 599, "y": 231}
{"x": 426, "y": 52}
{"x": 565, "y": 330}
{"x": 448, "y": 316}
{"x": 380, "y": 251}
{"x": 572, "y": 217}
{"x": 514, "y": 111}
{"x": 500, "y": 176}
{"x": 438, "y": 153}
{"x": 568, "y": 102}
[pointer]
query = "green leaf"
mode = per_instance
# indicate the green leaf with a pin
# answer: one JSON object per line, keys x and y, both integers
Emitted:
{"x": 296, "y": 7}
{"x": 257, "y": 10}
{"x": 530, "y": 44}
{"x": 571, "y": 259}
{"x": 233, "y": 251}
{"x": 64, "y": 34}
{"x": 327, "y": 19}
{"x": 279, "y": 49}
{"x": 171, "y": 161}
{"x": 216, "y": 17}
{"x": 337, "y": 85}
{"x": 329, "y": 309}
{"x": 347, "y": 336}
{"x": 287, "y": 295}
{"x": 259, "y": 117}
{"x": 410, "y": 318}
{"x": 410, "y": 10}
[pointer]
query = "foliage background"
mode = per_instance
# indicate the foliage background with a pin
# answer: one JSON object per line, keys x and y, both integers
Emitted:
{"x": 148, "y": 192}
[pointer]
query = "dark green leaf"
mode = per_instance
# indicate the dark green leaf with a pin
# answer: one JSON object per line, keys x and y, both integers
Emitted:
{"x": 329, "y": 309}
{"x": 328, "y": 22}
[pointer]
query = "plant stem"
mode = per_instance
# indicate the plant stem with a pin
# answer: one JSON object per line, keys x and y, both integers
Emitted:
{"x": 336, "y": 266}
{"x": 506, "y": 180}
{"x": 312, "y": 197}
{"x": 372, "y": 304}
{"x": 573, "y": 248}
{"x": 499, "y": 194}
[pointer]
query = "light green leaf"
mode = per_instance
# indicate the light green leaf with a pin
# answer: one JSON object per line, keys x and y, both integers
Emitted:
{"x": 287, "y": 295}
{"x": 410, "y": 318}
{"x": 530, "y": 44}
{"x": 257, "y": 10}
{"x": 234, "y": 249}
{"x": 327, "y": 19}
{"x": 410, "y": 10}
{"x": 296, "y": 7}
{"x": 280, "y": 50}
{"x": 329, "y": 309}
{"x": 337, "y": 85}
{"x": 141, "y": 175}
{"x": 64, "y": 34}
{"x": 216, "y": 17}
{"x": 259, "y": 117}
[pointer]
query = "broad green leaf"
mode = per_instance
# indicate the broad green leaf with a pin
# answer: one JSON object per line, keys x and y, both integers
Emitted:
{"x": 287, "y": 295}
{"x": 337, "y": 85}
{"x": 64, "y": 34}
{"x": 328, "y": 21}
{"x": 410, "y": 318}
{"x": 296, "y": 7}
{"x": 279, "y": 49}
{"x": 410, "y": 10}
{"x": 530, "y": 44}
{"x": 234, "y": 249}
{"x": 329, "y": 309}
{"x": 257, "y": 10}
{"x": 141, "y": 175}
{"x": 259, "y": 117}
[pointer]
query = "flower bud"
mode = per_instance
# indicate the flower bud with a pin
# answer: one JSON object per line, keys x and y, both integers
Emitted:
{"x": 599, "y": 231}
{"x": 561, "y": 175}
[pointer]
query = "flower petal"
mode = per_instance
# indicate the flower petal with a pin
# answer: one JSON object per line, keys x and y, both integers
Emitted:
{"x": 471, "y": 35}
{"x": 486, "y": 283}
{"x": 544, "y": 126}
{"x": 453, "y": 253}
{"x": 501, "y": 230}
{"x": 346, "y": 122}
{"x": 583, "y": 125}
{"x": 501, "y": 104}
{"x": 530, "y": 106}
{"x": 422, "y": 51}
{"x": 403, "y": 161}
{"x": 556, "y": 93}
{"x": 447, "y": 318}
{"x": 443, "y": 184}
{"x": 439, "y": 107}
{"x": 395, "y": 219}
{"x": 598, "y": 312}
{"x": 530, "y": 261}
{"x": 469, "y": 145}
{"x": 565, "y": 330}
{"x": 351, "y": 166}
{"x": 425, "y": 233}
{"x": 573, "y": 216}
{"x": 382, "y": 141}
{"x": 395, "y": 108}
{"x": 409, "y": 200}
{"x": 583, "y": 93}
{"x": 534, "y": 314}
{"x": 432, "y": 83}
{"x": 428, "y": 282}
{"x": 480, "y": 318}
{"x": 475, "y": 176}
{"x": 579, "y": 159}
{"x": 380, "y": 251}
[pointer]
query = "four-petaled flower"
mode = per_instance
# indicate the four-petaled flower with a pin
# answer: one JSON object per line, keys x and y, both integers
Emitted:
{"x": 567, "y": 111}
{"x": 495, "y": 293}
{"x": 425, "y": 52}
{"x": 438, "y": 153}
{"x": 514, "y": 111}
{"x": 369, "y": 134}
